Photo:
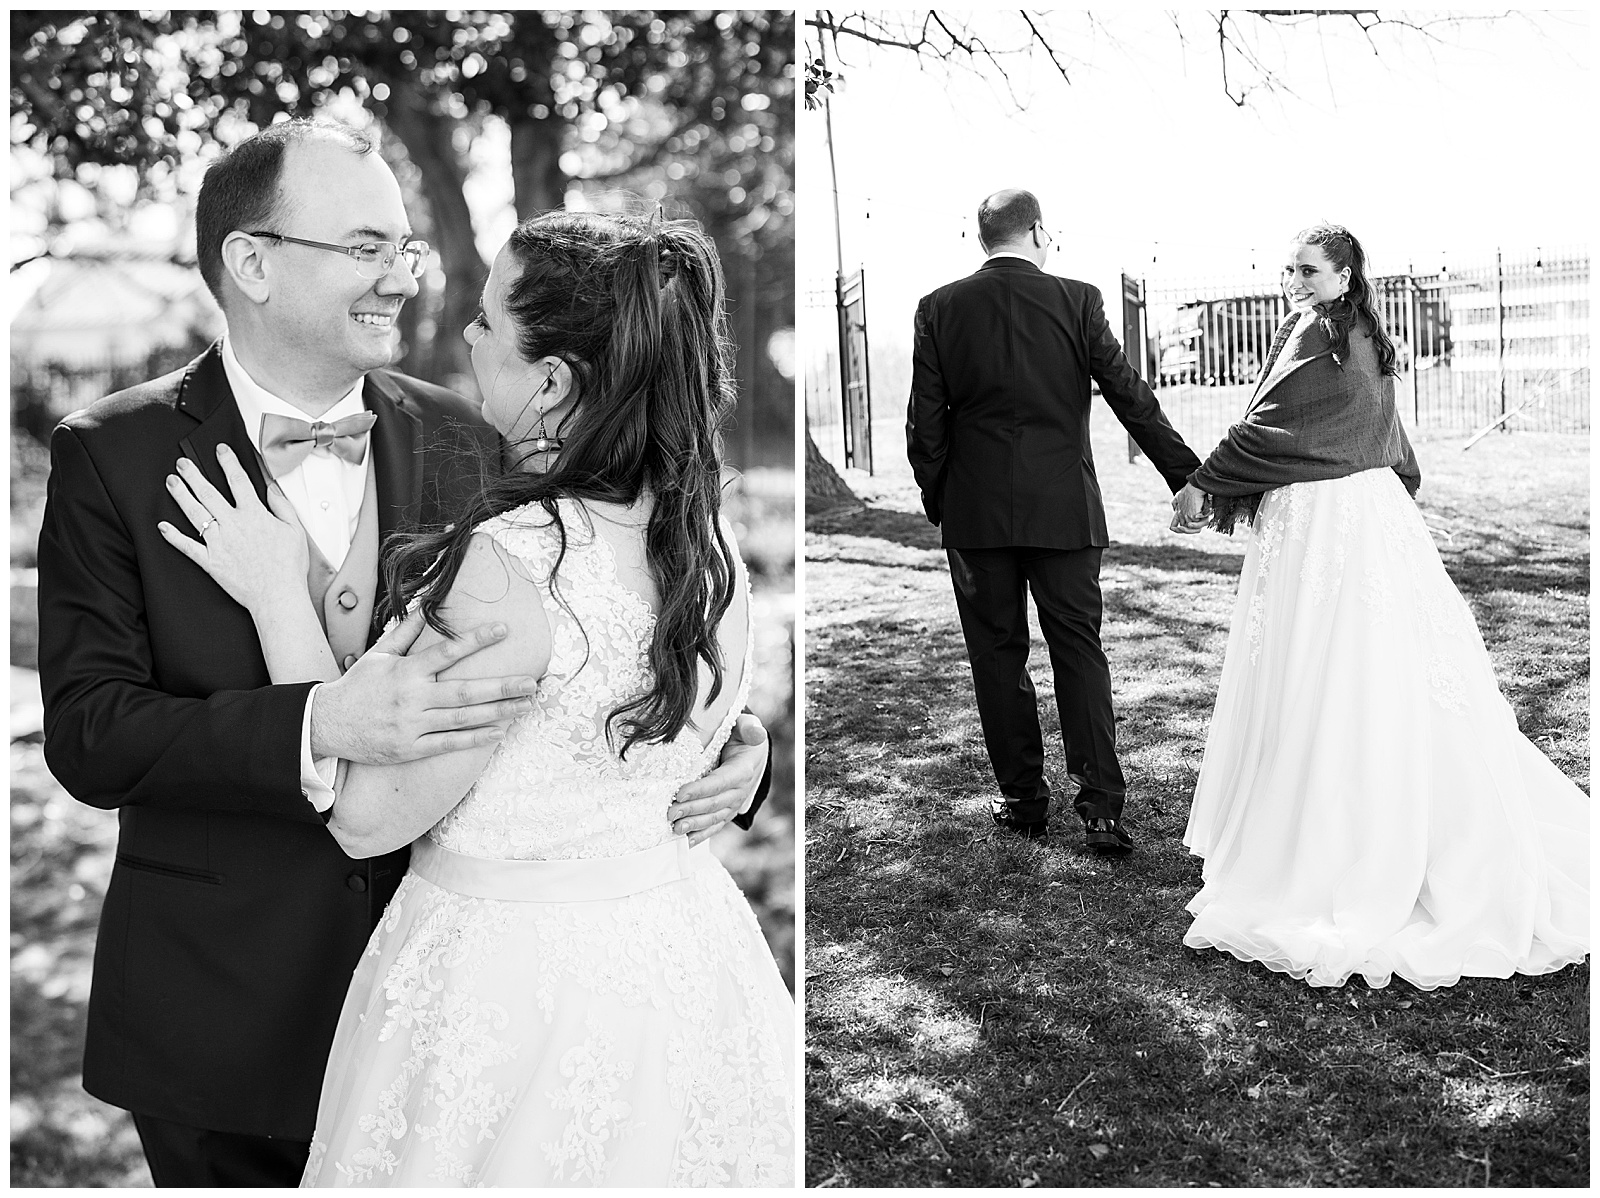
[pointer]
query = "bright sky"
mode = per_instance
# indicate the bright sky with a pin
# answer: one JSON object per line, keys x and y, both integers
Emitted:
{"x": 1433, "y": 152}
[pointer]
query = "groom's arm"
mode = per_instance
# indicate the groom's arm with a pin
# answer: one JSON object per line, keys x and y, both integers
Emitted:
{"x": 927, "y": 414}
{"x": 1132, "y": 400}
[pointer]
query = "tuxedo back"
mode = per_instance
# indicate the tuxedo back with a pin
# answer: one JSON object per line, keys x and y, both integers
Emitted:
{"x": 232, "y": 921}
{"x": 998, "y": 432}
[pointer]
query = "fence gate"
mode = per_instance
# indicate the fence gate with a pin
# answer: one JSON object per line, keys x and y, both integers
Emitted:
{"x": 1133, "y": 341}
{"x": 855, "y": 386}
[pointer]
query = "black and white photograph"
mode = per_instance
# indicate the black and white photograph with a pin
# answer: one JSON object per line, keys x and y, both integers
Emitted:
{"x": 403, "y": 613}
{"x": 1196, "y": 597}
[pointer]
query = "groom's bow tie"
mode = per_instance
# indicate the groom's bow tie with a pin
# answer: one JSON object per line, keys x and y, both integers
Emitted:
{"x": 286, "y": 442}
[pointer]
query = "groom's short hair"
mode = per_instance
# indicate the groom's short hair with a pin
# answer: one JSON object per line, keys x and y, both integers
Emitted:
{"x": 240, "y": 189}
{"x": 1006, "y": 216}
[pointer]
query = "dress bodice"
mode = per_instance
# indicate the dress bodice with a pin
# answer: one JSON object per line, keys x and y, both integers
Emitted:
{"x": 555, "y": 787}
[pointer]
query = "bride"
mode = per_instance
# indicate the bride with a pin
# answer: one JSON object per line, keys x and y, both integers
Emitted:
{"x": 1367, "y": 803}
{"x": 562, "y": 991}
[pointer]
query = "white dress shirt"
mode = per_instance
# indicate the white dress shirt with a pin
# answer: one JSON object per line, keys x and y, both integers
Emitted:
{"x": 326, "y": 493}
{"x": 324, "y": 490}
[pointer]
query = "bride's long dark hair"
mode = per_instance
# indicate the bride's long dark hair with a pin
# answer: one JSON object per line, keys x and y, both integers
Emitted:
{"x": 1360, "y": 302}
{"x": 634, "y": 307}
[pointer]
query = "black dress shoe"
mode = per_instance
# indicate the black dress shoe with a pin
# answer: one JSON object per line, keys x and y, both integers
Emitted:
{"x": 1006, "y": 817}
{"x": 1107, "y": 837}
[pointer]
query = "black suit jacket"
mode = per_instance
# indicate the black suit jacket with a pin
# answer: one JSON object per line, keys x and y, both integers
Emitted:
{"x": 998, "y": 423}
{"x": 233, "y": 920}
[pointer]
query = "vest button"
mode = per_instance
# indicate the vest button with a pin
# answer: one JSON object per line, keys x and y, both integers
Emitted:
{"x": 347, "y": 599}
{"x": 349, "y": 660}
{"x": 356, "y": 882}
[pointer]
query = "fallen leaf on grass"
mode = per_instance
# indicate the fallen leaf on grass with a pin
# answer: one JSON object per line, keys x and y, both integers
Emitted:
{"x": 1261, "y": 1023}
{"x": 1254, "y": 1091}
{"x": 1099, "y": 1151}
{"x": 947, "y": 970}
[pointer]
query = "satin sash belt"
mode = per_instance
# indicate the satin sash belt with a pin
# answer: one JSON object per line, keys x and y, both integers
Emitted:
{"x": 579, "y": 880}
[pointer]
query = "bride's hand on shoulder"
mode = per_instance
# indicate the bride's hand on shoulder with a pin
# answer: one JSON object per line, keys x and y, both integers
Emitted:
{"x": 256, "y": 553}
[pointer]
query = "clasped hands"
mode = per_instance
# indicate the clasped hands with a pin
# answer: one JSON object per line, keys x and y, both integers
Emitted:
{"x": 390, "y": 706}
{"x": 1191, "y": 509}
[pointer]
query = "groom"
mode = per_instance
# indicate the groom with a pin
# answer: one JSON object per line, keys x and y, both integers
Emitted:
{"x": 233, "y": 921}
{"x": 998, "y": 436}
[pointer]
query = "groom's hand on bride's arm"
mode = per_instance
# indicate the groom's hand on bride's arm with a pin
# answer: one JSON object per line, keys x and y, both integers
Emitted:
{"x": 704, "y": 805}
{"x": 389, "y": 708}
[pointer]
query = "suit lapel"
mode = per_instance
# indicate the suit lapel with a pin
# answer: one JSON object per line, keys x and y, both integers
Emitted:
{"x": 397, "y": 456}
{"x": 206, "y": 396}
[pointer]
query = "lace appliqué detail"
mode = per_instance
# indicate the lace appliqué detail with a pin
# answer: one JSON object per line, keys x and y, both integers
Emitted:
{"x": 600, "y": 1117}
{"x": 1408, "y": 550}
{"x": 729, "y": 1085}
{"x": 672, "y": 954}
{"x": 1285, "y": 515}
{"x": 429, "y": 987}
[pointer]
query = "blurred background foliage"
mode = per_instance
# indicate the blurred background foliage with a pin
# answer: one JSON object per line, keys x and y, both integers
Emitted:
{"x": 489, "y": 116}
{"x": 486, "y": 117}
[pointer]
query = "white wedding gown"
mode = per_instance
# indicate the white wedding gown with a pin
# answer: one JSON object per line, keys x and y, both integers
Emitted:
{"x": 561, "y": 993}
{"x": 1367, "y": 803}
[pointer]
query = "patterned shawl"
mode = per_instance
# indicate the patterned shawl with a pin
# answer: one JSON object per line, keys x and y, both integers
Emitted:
{"x": 1313, "y": 417}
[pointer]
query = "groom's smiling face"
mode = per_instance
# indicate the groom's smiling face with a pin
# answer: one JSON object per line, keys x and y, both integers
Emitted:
{"x": 320, "y": 308}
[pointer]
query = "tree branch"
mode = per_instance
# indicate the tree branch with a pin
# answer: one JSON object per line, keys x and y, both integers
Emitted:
{"x": 1048, "y": 49}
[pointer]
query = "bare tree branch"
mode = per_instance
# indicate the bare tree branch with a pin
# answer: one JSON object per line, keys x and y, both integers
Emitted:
{"x": 937, "y": 37}
{"x": 1043, "y": 41}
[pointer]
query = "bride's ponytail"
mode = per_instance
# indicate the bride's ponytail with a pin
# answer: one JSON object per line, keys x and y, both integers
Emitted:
{"x": 690, "y": 396}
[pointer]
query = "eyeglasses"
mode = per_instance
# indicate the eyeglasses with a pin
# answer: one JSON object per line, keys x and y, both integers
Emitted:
{"x": 374, "y": 259}
{"x": 1048, "y": 240}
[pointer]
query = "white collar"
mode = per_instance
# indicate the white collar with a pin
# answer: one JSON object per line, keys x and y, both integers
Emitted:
{"x": 1009, "y": 254}
{"x": 255, "y": 401}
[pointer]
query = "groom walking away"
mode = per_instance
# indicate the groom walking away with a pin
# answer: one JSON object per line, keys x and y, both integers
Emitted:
{"x": 233, "y": 921}
{"x": 998, "y": 436}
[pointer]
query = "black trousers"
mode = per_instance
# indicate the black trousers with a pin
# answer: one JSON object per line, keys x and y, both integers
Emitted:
{"x": 992, "y": 586}
{"x": 180, "y": 1155}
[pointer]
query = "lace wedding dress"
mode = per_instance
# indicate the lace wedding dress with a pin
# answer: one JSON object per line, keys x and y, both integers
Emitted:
{"x": 562, "y": 993}
{"x": 1367, "y": 803}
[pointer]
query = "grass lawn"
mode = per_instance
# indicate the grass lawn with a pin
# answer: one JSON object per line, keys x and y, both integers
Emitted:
{"x": 985, "y": 1011}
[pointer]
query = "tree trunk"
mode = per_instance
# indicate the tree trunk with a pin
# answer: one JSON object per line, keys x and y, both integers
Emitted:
{"x": 428, "y": 137}
{"x": 826, "y": 492}
{"x": 538, "y": 182}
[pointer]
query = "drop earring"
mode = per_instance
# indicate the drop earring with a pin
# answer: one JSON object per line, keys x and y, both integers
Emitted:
{"x": 542, "y": 441}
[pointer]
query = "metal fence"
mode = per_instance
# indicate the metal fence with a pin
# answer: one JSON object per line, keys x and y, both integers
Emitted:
{"x": 1507, "y": 340}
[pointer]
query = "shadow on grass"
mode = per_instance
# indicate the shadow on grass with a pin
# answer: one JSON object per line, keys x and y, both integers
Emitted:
{"x": 985, "y": 1011}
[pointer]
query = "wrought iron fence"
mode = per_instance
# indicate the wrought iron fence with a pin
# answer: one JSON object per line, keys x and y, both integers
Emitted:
{"x": 1506, "y": 341}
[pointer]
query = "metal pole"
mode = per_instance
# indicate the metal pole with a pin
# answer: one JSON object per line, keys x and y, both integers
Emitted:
{"x": 838, "y": 272}
{"x": 1500, "y": 327}
{"x": 1414, "y": 315}
{"x": 866, "y": 370}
